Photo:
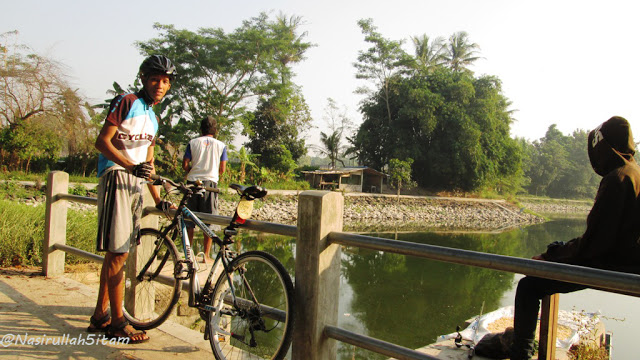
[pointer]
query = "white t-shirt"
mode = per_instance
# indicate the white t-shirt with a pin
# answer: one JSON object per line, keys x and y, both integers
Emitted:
{"x": 205, "y": 153}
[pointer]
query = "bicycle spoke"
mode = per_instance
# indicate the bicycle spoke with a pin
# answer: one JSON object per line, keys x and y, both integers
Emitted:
{"x": 151, "y": 295}
{"x": 258, "y": 325}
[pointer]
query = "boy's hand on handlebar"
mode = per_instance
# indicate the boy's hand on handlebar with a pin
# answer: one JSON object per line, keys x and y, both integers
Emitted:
{"x": 142, "y": 170}
{"x": 165, "y": 205}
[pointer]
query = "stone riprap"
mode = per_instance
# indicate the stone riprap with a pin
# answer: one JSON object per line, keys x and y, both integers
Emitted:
{"x": 382, "y": 212}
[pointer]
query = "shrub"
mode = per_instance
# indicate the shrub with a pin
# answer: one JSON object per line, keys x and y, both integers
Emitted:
{"x": 22, "y": 233}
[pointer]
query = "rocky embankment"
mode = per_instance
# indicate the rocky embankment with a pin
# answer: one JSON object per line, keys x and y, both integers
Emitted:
{"x": 557, "y": 207}
{"x": 372, "y": 213}
{"x": 381, "y": 212}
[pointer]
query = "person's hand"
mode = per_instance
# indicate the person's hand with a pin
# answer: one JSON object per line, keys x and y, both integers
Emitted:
{"x": 538, "y": 257}
{"x": 142, "y": 170}
{"x": 165, "y": 205}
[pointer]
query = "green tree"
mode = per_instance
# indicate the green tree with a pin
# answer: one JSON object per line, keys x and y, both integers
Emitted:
{"x": 548, "y": 159}
{"x": 558, "y": 165}
{"x": 246, "y": 161}
{"x": 221, "y": 74}
{"x": 460, "y": 52}
{"x": 400, "y": 174}
{"x": 455, "y": 127}
{"x": 331, "y": 142}
{"x": 274, "y": 128}
{"x": 40, "y": 115}
{"x": 428, "y": 53}
{"x": 381, "y": 63}
{"x": 331, "y": 147}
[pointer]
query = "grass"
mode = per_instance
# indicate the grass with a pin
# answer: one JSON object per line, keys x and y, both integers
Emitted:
{"x": 22, "y": 233}
{"x": 42, "y": 177}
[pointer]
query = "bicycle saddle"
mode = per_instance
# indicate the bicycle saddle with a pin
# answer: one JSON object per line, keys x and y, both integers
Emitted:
{"x": 250, "y": 192}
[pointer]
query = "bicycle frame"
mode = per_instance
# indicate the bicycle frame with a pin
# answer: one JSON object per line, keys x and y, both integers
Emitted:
{"x": 218, "y": 301}
{"x": 222, "y": 257}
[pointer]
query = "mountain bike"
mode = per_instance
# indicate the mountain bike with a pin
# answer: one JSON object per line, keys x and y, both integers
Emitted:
{"x": 247, "y": 300}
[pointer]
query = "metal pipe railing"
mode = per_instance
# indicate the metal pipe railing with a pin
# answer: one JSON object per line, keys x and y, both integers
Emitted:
{"x": 375, "y": 345}
{"x": 256, "y": 225}
{"x": 612, "y": 281}
{"x": 76, "y": 198}
{"x": 75, "y": 251}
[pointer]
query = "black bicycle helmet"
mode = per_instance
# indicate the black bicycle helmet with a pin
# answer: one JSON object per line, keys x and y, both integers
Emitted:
{"x": 158, "y": 64}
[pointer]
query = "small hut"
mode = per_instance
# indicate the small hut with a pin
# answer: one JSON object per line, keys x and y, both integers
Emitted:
{"x": 351, "y": 179}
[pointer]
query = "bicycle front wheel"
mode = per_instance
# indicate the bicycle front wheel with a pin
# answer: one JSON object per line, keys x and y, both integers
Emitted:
{"x": 259, "y": 324}
{"x": 151, "y": 289}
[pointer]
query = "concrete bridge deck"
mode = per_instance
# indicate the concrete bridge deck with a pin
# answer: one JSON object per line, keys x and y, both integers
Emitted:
{"x": 37, "y": 314}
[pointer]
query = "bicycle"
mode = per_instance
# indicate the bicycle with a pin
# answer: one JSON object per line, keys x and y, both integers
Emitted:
{"x": 248, "y": 310}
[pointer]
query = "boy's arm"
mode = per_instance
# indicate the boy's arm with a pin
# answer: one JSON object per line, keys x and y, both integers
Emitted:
{"x": 154, "y": 190}
{"x": 105, "y": 146}
{"x": 223, "y": 161}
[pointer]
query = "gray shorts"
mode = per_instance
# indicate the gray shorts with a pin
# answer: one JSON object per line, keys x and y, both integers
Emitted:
{"x": 205, "y": 202}
{"x": 119, "y": 211}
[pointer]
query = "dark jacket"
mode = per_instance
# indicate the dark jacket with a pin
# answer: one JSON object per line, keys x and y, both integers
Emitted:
{"x": 613, "y": 225}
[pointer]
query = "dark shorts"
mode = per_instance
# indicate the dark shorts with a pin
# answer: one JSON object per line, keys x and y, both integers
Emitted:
{"x": 206, "y": 202}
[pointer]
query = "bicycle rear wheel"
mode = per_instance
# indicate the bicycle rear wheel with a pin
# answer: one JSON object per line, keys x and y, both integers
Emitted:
{"x": 259, "y": 325}
{"x": 151, "y": 289}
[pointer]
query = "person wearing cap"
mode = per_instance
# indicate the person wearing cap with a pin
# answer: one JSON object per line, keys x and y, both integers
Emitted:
{"x": 205, "y": 160}
{"x": 610, "y": 241}
{"x": 126, "y": 143}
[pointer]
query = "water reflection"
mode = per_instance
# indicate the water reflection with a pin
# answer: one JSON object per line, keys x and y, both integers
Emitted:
{"x": 410, "y": 301}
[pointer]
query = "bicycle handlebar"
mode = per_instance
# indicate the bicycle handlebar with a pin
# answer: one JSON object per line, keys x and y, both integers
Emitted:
{"x": 158, "y": 180}
{"x": 250, "y": 192}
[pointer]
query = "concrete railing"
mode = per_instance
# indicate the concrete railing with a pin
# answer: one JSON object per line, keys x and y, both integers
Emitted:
{"x": 317, "y": 269}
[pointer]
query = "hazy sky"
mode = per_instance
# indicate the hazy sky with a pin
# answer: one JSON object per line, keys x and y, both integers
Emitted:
{"x": 572, "y": 63}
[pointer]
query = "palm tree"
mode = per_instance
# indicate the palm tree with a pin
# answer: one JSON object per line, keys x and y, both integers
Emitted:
{"x": 428, "y": 54}
{"x": 245, "y": 159}
{"x": 460, "y": 52}
{"x": 331, "y": 146}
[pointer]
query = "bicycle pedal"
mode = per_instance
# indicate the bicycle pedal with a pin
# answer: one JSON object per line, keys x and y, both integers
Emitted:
{"x": 183, "y": 270}
{"x": 210, "y": 308}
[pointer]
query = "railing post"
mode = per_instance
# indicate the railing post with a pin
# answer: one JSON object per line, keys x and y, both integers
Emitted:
{"x": 317, "y": 274}
{"x": 140, "y": 305}
{"x": 55, "y": 224}
{"x": 548, "y": 327}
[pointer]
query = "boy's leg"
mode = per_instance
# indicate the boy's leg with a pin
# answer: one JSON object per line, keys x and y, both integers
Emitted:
{"x": 207, "y": 248}
{"x": 102, "y": 305}
{"x": 115, "y": 281}
{"x": 529, "y": 293}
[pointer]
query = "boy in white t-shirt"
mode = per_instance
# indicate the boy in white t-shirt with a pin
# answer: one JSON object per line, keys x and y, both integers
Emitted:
{"x": 205, "y": 159}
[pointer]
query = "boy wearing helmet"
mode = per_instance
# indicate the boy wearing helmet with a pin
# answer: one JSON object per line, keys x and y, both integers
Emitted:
{"x": 126, "y": 144}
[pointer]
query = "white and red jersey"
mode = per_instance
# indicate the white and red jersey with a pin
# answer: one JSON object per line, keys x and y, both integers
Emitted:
{"x": 137, "y": 127}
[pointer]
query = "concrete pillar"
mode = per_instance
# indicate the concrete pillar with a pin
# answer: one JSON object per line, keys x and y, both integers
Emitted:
{"x": 139, "y": 298}
{"x": 55, "y": 224}
{"x": 317, "y": 274}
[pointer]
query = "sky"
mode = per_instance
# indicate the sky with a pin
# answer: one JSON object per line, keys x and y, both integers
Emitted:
{"x": 569, "y": 63}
